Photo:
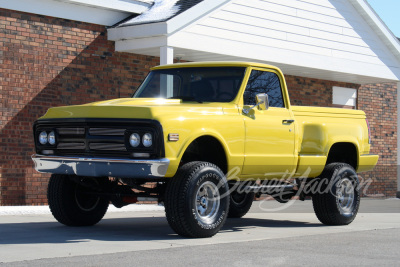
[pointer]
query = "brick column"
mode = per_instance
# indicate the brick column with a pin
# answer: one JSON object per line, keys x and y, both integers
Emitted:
{"x": 398, "y": 141}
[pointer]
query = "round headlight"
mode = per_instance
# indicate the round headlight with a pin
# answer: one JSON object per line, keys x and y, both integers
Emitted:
{"x": 147, "y": 140}
{"x": 43, "y": 138}
{"x": 52, "y": 138}
{"x": 134, "y": 140}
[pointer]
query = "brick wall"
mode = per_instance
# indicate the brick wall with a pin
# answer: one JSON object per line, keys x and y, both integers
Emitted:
{"x": 51, "y": 62}
{"x": 379, "y": 101}
{"x": 313, "y": 92}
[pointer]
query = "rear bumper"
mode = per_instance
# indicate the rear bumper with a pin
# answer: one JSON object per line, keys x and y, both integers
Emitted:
{"x": 98, "y": 167}
{"x": 367, "y": 162}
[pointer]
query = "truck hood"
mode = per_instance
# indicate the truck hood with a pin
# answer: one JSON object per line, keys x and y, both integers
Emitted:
{"x": 135, "y": 108}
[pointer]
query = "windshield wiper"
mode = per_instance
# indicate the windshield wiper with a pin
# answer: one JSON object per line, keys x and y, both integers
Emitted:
{"x": 186, "y": 98}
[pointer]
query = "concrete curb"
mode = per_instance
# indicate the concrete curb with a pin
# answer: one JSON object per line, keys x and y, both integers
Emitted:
{"x": 38, "y": 210}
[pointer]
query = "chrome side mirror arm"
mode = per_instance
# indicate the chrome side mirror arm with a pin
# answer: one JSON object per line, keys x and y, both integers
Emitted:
{"x": 246, "y": 111}
{"x": 261, "y": 102}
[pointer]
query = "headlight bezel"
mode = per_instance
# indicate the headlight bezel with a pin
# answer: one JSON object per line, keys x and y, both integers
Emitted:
{"x": 138, "y": 140}
{"x": 50, "y": 133}
{"x": 51, "y": 138}
{"x": 146, "y": 141}
{"x": 141, "y": 148}
{"x": 43, "y": 138}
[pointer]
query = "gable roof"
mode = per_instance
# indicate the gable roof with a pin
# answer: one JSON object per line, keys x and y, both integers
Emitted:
{"x": 341, "y": 40}
{"x": 162, "y": 10}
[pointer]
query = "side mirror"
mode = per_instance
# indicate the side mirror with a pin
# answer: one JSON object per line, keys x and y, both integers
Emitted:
{"x": 261, "y": 102}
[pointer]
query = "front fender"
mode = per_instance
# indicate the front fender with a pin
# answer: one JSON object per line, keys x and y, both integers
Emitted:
{"x": 175, "y": 161}
{"x": 228, "y": 130}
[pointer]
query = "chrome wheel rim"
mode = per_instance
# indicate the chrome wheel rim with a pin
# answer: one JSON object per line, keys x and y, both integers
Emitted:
{"x": 345, "y": 196}
{"x": 207, "y": 202}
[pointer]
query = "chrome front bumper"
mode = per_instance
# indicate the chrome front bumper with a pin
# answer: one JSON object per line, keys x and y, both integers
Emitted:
{"x": 97, "y": 167}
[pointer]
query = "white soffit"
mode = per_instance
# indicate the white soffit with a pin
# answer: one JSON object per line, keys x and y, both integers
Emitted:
{"x": 103, "y": 12}
{"x": 151, "y": 47}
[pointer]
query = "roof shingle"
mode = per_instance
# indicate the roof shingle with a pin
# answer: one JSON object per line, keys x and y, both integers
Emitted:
{"x": 162, "y": 10}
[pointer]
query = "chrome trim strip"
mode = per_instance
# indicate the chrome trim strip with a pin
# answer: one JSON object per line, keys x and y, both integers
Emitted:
{"x": 98, "y": 167}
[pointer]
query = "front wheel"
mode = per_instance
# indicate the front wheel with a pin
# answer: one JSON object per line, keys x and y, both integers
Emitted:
{"x": 197, "y": 200}
{"x": 72, "y": 204}
{"x": 338, "y": 199}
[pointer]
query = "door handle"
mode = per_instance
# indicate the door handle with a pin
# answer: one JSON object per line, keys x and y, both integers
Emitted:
{"x": 287, "y": 121}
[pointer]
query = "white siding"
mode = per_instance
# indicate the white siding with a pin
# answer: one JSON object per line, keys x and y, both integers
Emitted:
{"x": 331, "y": 31}
{"x": 318, "y": 27}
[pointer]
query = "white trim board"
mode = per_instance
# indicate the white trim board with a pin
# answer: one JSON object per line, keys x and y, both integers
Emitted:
{"x": 131, "y": 6}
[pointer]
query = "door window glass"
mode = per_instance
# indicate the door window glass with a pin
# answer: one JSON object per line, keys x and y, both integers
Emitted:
{"x": 264, "y": 82}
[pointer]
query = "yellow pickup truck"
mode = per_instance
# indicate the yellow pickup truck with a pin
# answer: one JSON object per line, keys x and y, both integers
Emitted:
{"x": 203, "y": 139}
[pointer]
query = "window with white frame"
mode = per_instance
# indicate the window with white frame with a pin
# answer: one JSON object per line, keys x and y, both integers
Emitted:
{"x": 344, "y": 96}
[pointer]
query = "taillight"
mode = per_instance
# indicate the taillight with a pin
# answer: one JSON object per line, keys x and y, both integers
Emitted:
{"x": 369, "y": 132}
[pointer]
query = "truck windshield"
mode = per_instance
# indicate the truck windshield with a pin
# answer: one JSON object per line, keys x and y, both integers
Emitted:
{"x": 200, "y": 84}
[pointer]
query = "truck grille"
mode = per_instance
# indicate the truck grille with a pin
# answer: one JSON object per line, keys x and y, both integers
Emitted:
{"x": 74, "y": 146}
{"x": 91, "y": 140}
{"x": 71, "y": 131}
{"x": 110, "y": 147}
{"x": 94, "y": 137}
{"x": 107, "y": 132}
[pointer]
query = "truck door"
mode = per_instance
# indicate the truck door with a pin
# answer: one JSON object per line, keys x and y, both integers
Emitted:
{"x": 270, "y": 136}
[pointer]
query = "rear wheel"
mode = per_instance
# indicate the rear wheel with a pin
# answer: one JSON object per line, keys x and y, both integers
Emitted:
{"x": 197, "y": 200}
{"x": 240, "y": 204}
{"x": 338, "y": 201}
{"x": 73, "y": 204}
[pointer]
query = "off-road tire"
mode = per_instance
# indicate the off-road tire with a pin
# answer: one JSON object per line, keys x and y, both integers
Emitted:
{"x": 331, "y": 206}
{"x": 186, "y": 193}
{"x": 70, "y": 206}
{"x": 240, "y": 204}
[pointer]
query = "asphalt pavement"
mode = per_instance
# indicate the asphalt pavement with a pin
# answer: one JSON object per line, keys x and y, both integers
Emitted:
{"x": 267, "y": 236}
